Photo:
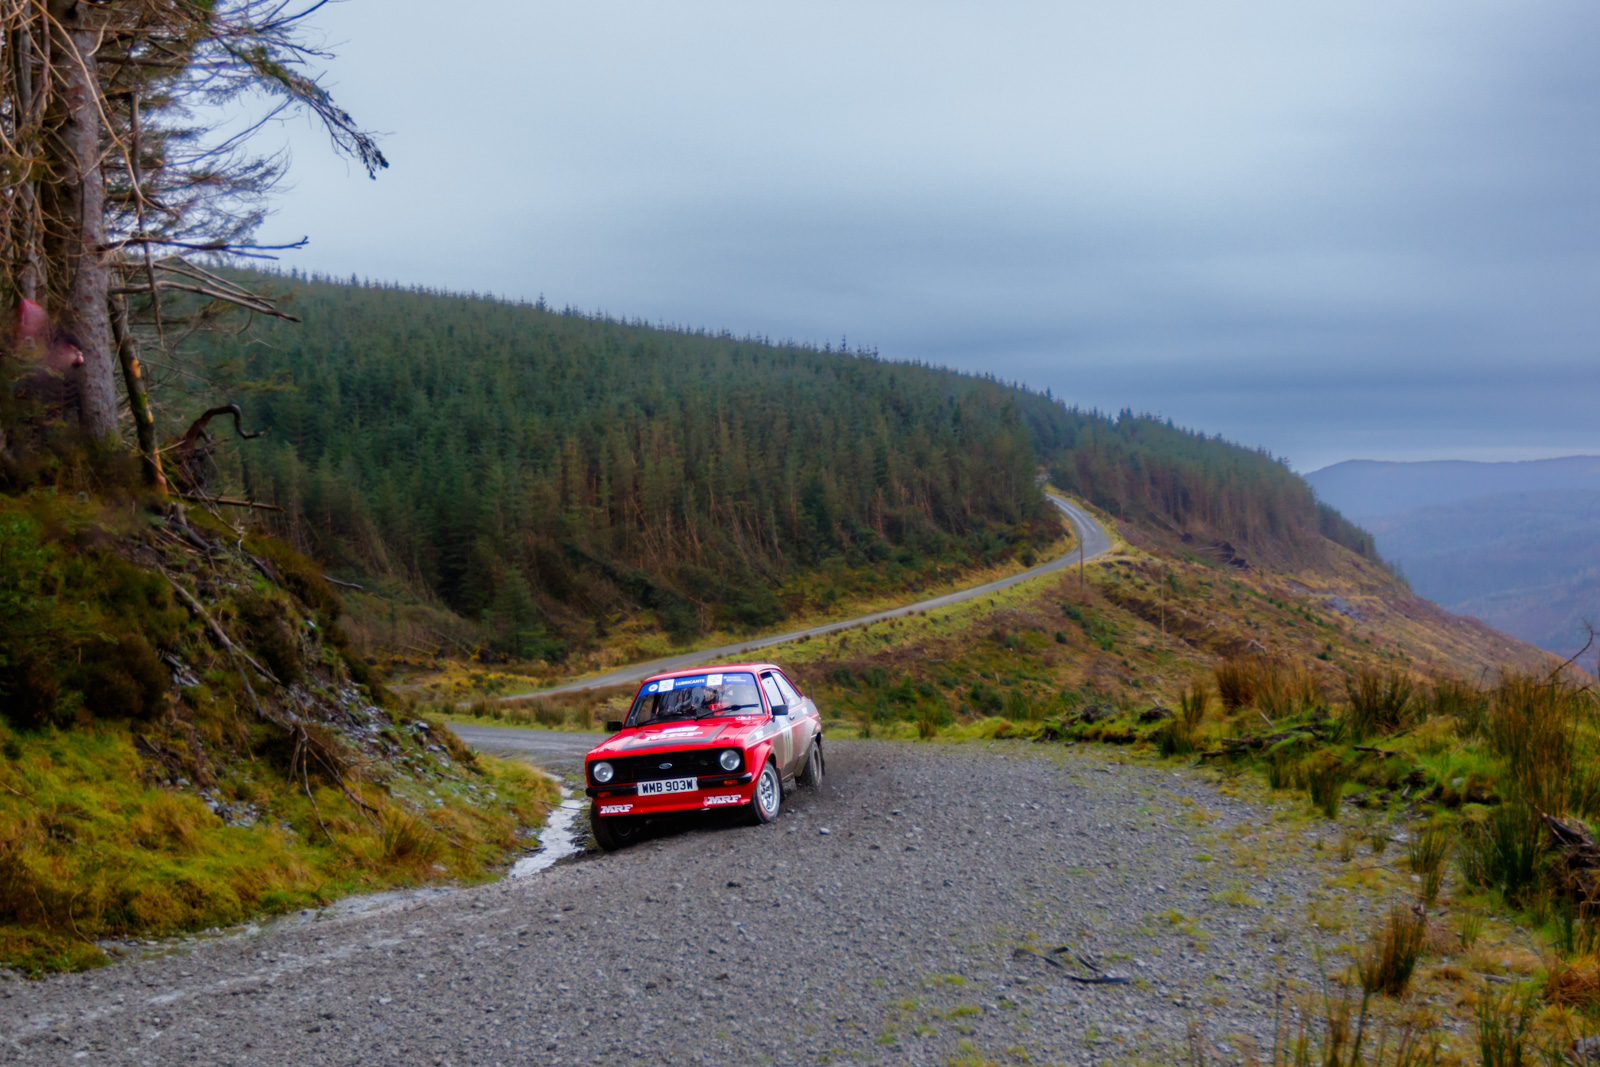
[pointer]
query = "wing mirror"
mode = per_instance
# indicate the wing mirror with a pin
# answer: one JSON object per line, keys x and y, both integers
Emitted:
{"x": 779, "y": 709}
{"x": 613, "y": 726}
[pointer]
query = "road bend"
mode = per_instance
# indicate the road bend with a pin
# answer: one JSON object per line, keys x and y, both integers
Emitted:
{"x": 1092, "y": 539}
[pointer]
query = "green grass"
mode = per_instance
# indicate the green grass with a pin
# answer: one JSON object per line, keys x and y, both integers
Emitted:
{"x": 93, "y": 844}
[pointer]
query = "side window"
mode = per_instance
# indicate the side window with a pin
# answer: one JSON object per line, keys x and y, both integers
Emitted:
{"x": 770, "y": 687}
{"x": 790, "y": 697}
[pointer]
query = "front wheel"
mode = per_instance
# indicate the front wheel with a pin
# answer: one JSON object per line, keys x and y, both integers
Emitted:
{"x": 767, "y": 796}
{"x": 612, "y": 832}
{"x": 811, "y": 774}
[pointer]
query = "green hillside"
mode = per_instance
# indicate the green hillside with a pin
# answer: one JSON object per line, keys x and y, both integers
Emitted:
{"x": 546, "y": 471}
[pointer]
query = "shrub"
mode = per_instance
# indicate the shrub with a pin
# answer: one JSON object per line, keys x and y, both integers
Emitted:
{"x": 1019, "y": 708}
{"x": 270, "y": 636}
{"x": 1393, "y": 952}
{"x": 1380, "y": 703}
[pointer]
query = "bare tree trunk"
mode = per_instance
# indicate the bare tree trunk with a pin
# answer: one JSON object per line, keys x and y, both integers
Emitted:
{"x": 24, "y": 117}
{"x": 73, "y": 198}
{"x": 144, "y": 422}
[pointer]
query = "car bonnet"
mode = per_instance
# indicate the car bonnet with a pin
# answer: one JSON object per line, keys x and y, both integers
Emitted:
{"x": 665, "y": 735}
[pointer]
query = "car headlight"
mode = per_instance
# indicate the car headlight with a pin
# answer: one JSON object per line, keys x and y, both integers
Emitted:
{"x": 603, "y": 772}
{"x": 729, "y": 759}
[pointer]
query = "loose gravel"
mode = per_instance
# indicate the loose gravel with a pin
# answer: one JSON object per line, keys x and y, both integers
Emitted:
{"x": 901, "y": 914}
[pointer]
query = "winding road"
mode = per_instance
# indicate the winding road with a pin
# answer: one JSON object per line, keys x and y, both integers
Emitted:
{"x": 1092, "y": 538}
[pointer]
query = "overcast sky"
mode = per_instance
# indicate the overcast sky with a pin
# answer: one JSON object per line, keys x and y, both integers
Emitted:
{"x": 1364, "y": 230}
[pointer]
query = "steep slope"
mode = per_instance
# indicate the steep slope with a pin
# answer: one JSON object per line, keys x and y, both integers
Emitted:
{"x": 187, "y": 743}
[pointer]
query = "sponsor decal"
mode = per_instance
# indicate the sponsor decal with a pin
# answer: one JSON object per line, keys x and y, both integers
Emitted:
{"x": 726, "y": 798}
{"x": 651, "y": 688}
{"x": 615, "y": 809}
{"x": 713, "y": 679}
{"x": 666, "y": 685}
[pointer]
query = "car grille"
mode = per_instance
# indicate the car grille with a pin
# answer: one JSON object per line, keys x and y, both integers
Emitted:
{"x": 643, "y": 768}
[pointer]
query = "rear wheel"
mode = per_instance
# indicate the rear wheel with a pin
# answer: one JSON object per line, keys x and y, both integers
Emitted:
{"x": 811, "y": 773}
{"x": 612, "y": 832}
{"x": 767, "y": 796}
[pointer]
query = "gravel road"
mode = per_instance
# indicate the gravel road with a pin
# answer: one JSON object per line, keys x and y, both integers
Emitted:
{"x": 556, "y": 751}
{"x": 877, "y": 921}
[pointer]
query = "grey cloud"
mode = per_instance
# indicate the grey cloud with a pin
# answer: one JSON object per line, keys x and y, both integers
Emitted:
{"x": 1369, "y": 230}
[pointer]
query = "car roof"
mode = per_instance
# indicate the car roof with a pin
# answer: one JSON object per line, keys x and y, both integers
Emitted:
{"x": 711, "y": 668}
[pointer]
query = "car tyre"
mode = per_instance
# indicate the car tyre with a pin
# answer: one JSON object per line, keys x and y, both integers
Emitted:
{"x": 612, "y": 832}
{"x": 811, "y": 773}
{"x": 766, "y": 798}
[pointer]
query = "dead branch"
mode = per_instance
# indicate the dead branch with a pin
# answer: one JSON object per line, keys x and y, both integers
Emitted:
{"x": 216, "y": 631}
{"x": 230, "y": 502}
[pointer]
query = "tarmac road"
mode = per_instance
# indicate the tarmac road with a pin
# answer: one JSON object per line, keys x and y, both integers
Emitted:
{"x": 1092, "y": 537}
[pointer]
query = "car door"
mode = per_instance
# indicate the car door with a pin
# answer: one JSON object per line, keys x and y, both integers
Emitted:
{"x": 783, "y": 728}
{"x": 805, "y": 721}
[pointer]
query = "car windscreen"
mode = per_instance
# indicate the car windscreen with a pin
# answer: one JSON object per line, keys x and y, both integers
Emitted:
{"x": 697, "y": 697}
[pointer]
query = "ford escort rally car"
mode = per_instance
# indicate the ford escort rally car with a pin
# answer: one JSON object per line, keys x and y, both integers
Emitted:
{"x": 734, "y": 736}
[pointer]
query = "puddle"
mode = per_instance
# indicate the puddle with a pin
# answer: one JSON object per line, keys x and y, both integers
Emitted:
{"x": 559, "y": 839}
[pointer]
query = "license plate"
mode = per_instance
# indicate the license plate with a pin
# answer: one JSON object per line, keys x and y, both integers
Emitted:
{"x": 668, "y": 785}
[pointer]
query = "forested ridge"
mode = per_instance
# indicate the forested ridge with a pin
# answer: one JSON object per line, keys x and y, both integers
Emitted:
{"x": 541, "y": 470}
{"x": 540, "y": 467}
{"x": 1146, "y": 470}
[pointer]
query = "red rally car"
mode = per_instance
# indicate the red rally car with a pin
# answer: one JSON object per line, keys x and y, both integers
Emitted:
{"x": 703, "y": 739}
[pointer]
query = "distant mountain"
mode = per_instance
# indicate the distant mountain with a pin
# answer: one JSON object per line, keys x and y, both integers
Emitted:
{"x": 1514, "y": 544}
{"x": 1362, "y": 488}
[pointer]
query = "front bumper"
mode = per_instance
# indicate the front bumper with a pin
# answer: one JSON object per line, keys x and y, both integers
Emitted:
{"x": 719, "y": 781}
{"x": 722, "y": 790}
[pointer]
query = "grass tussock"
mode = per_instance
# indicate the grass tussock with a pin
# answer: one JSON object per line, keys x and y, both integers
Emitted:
{"x": 1574, "y": 983}
{"x": 1236, "y": 682}
{"x": 1465, "y": 704}
{"x": 1425, "y": 854}
{"x": 1344, "y": 1032}
{"x": 1380, "y": 702}
{"x": 1181, "y": 734}
{"x": 1325, "y": 776}
{"x": 1393, "y": 951}
{"x": 1505, "y": 1029}
{"x": 1544, "y": 730}
{"x": 1505, "y": 851}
